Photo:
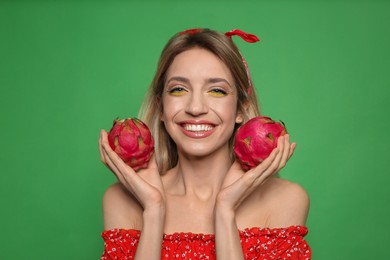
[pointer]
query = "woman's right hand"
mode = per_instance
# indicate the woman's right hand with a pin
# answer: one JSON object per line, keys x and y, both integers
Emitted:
{"x": 145, "y": 185}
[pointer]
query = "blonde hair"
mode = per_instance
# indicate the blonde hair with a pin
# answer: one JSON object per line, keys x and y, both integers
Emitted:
{"x": 221, "y": 46}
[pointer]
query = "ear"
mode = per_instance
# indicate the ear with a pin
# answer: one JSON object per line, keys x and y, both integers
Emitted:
{"x": 239, "y": 116}
{"x": 161, "y": 116}
{"x": 161, "y": 110}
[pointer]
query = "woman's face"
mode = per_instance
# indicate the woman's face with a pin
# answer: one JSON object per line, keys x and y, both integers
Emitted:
{"x": 199, "y": 103}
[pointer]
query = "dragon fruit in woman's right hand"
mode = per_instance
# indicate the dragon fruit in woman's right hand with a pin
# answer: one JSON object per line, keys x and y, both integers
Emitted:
{"x": 131, "y": 139}
{"x": 256, "y": 139}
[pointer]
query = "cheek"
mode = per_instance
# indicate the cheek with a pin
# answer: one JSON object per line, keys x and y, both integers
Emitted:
{"x": 227, "y": 110}
{"x": 169, "y": 108}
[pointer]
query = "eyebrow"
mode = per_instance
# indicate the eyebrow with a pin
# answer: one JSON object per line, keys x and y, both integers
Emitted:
{"x": 217, "y": 80}
{"x": 209, "y": 80}
{"x": 180, "y": 79}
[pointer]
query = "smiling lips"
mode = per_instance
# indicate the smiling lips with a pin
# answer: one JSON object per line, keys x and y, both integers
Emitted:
{"x": 197, "y": 130}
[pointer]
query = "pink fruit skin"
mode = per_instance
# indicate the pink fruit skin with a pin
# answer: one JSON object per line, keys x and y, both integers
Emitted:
{"x": 131, "y": 139}
{"x": 256, "y": 139}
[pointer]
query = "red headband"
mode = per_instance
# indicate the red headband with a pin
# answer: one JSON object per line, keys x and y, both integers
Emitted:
{"x": 251, "y": 38}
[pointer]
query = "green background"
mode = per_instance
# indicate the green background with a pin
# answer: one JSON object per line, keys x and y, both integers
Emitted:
{"x": 67, "y": 69}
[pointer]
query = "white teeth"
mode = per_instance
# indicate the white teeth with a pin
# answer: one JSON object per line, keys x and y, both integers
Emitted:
{"x": 197, "y": 128}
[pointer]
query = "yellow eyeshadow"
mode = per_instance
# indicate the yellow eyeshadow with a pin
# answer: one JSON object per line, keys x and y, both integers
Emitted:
{"x": 217, "y": 94}
{"x": 176, "y": 92}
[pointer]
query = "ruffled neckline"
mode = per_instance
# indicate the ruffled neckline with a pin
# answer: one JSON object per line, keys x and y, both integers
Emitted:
{"x": 281, "y": 232}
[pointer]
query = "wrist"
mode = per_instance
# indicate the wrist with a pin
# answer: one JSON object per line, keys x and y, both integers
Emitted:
{"x": 223, "y": 208}
{"x": 227, "y": 237}
{"x": 149, "y": 246}
{"x": 155, "y": 213}
{"x": 224, "y": 215}
{"x": 153, "y": 222}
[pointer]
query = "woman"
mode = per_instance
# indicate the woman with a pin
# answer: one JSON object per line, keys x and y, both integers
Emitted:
{"x": 194, "y": 201}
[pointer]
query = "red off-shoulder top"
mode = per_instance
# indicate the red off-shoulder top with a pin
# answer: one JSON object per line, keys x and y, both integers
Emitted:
{"x": 257, "y": 243}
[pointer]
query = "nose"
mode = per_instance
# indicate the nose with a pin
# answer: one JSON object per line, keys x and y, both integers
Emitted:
{"x": 197, "y": 104}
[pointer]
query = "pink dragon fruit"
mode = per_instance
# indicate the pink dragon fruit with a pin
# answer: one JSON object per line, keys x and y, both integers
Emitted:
{"x": 131, "y": 139}
{"x": 256, "y": 139}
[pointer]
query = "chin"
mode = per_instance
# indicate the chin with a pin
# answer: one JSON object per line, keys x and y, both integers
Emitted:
{"x": 202, "y": 151}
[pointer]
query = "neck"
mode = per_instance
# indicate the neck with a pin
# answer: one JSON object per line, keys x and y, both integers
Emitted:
{"x": 201, "y": 177}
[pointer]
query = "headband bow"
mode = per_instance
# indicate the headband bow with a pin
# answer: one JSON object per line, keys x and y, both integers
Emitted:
{"x": 245, "y": 36}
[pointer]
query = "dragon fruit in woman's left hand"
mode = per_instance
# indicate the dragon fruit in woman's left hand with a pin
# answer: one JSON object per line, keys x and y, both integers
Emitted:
{"x": 131, "y": 139}
{"x": 256, "y": 139}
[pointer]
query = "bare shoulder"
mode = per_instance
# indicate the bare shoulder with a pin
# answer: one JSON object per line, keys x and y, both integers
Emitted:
{"x": 121, "y": 209}
{"x": 288, "y": 203}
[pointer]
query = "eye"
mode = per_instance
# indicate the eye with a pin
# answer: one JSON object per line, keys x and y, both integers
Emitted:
{"x": 217, "y": 92}
{"x": 177, "y": 91}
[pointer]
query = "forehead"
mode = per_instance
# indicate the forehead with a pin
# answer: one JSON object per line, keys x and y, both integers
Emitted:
{"x": 198, "y": 62}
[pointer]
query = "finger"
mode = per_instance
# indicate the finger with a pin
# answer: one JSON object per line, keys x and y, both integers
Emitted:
{"x": 104, "y": 157}
{"x": 278, "y": 159}
{"x": 103, "y": 153}
{"x": 114, "y": 162}
{"x": 122, "y": 172}
{"x": 112, "y": 156}
{"x": 263, "y": 166}
{"x": 272, "y": 165}
{"x": 100, "y": 148}
{"x": 110, "y": 164}
{"x": 292, "y": 149}
{"x": 125, "y": 173}
{"x": 282, "y": 147}
{"x": 112, "y": 167}
{"x": 286, "y": 152}
{"x": 254, "y": 174}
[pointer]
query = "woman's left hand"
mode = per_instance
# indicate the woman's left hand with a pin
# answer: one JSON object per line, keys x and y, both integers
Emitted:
{"x": 238, "y": 184}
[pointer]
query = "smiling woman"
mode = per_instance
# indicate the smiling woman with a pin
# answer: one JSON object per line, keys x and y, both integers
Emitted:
{"x": 194, "y": 201}
{"x": 199, "y": 103}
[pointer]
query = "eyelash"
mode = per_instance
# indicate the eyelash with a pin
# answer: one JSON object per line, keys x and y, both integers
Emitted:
{"x": 218, "y": 92}
{"x": 177, "y": 91}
